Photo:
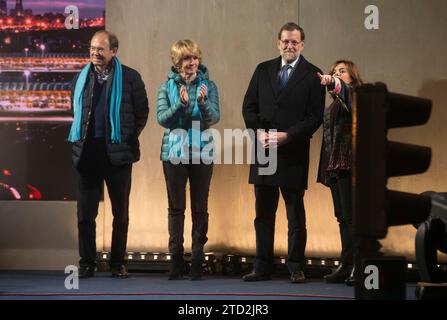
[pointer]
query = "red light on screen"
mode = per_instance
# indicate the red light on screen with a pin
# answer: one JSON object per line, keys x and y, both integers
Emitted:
{"x": 33, "y": 193}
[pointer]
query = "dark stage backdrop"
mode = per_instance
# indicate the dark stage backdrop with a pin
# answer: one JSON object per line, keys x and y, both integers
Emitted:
{"x": 39, "y": 56}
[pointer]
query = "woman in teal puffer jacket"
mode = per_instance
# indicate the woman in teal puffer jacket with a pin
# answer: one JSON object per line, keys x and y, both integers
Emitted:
{"x": 187, "y": 105}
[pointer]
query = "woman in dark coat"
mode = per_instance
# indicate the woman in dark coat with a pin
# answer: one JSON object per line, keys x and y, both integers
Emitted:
{"x": 336, "y": 158}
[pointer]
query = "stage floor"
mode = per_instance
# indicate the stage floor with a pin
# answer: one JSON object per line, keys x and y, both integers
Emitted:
{"x": 50, "y": 285}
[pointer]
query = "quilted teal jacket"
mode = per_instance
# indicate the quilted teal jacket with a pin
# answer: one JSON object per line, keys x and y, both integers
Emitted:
{"x": 177, "y": 115}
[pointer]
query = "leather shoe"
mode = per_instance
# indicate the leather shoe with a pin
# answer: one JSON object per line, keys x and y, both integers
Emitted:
{"x": 340, "y": 274}
{"x": 257, "y": 276}
{"x": 350, "y": 282}
{"x": 86, "y": 272}
{"x": 196, "y": 269}
{"x": 177, "y": 268}
{"x": 297, "y": 277}
{"x": 119, "y": 271}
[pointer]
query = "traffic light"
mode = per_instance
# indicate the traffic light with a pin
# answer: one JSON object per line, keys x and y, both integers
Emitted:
{"x": 375, "y": 159}
{"x": 375, "y": 110}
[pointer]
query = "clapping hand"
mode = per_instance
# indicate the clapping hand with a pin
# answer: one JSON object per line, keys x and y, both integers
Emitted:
{"x": 184, "y": 95}
{"x": 202, "y": 94}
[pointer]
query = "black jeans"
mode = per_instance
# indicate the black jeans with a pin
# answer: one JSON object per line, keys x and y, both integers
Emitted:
{"x": 199, "y": 180}
{"x": 95, "y": 168}
{"x": 342, "y": 198}
{"x": 267, "y": 198}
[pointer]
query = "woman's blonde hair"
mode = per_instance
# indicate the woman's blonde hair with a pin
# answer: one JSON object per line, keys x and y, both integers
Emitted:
{"x": 183, "y": 48}
{"x": 352, "y": 70}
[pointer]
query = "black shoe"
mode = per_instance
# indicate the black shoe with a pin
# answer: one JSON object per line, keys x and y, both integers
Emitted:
{"x": 350, "y": 282}
{"x": 340, "y": 275}
{"x": 298, "y": 277}
{"x": 86, "y": 272}
{"x": 257, "y": 276}
{"x": 196, "y": 269}
{"x": 177, "y": 268}
{"x": 119, "y": 271}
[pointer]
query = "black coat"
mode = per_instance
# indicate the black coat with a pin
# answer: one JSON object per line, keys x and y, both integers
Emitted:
{"x": 134, "y": 112}
{"x": 297, "y": 110}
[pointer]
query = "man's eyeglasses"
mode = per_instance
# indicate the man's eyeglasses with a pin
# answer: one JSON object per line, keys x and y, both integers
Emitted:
{"x": 95, "y": 49}
{"x": 293, "y": 43}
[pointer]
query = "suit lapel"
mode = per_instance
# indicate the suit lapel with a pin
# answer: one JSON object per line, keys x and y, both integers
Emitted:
{"x": 273, "y": 74}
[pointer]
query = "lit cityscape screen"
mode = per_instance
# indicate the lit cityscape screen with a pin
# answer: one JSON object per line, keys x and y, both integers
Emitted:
{"x": 39, "y": 57}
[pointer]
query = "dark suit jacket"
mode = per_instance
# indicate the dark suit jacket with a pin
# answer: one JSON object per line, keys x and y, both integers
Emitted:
{"x": 297, "y": 110}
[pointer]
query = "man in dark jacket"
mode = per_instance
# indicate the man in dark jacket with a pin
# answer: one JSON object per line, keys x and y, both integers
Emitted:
{"x": 284, "y": 95}
{"x": 110, "y": 110}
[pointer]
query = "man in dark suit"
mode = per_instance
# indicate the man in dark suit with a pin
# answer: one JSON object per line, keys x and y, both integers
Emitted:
{"x": 285, "y": 100}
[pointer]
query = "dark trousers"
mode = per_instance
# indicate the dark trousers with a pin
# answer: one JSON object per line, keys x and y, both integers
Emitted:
{"x": 176, "y": 177}
{"x": 95, "y": 168}
{"x": 342, "y": 198}
{"x": 267, "y": 198}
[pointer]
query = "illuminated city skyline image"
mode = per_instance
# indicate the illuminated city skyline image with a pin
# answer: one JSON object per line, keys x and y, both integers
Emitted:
{"x": 88, "y": 8}
{"x": 28, "y": 15}
{"x": 40, "y": 55}
{"x": 39, "y": 58}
